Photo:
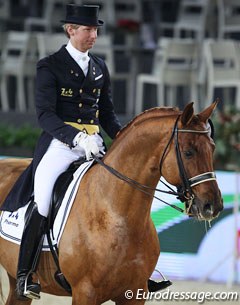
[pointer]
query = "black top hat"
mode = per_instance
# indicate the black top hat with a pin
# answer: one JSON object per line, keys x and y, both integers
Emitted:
{"x": 83, "y": 15}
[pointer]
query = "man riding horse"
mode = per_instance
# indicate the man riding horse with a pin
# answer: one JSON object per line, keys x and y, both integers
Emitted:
{"x": 73, "y": 98}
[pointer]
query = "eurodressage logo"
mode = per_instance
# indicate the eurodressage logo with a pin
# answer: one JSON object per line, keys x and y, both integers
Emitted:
{"x": 10, "y": 220}
{"x": 199, "y": 296}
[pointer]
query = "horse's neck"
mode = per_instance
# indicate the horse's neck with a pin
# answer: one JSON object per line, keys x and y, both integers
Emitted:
{"x": 137, "y": 153}
{"x": 135, "y": 157}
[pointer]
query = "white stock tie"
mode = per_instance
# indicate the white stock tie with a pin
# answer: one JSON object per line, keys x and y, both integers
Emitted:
{"x": 83, "y": 63}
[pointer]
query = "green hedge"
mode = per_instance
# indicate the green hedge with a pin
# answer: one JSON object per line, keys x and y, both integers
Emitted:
{"x": 24, "y": 136}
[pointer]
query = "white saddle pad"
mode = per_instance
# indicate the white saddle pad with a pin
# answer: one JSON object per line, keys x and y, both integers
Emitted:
{"x": 12, "y": 223}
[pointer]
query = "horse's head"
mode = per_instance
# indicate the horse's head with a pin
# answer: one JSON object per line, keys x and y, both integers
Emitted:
{"x": 191, "y": 152}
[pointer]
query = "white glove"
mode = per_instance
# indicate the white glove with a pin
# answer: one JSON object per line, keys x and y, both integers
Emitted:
{"x": 88, "y": 143}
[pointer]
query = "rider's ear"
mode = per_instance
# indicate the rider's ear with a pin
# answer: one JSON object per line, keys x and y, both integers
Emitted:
{"x": 206, "y": 113}
{"x": 187, "y": 114}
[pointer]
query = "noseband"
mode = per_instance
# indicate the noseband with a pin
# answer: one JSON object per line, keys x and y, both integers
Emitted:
{"x": 185, "y": 189}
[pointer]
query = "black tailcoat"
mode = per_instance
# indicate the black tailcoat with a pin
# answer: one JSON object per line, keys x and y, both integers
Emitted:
{"x": 64, "y": 94}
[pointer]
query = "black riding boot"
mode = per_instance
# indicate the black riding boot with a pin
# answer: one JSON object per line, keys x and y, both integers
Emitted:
{"x": 30, "y": 249}
{"x": 156, "y": 286}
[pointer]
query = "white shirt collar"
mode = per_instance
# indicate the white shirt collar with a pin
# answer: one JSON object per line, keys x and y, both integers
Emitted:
{"x": 76, "y": 54}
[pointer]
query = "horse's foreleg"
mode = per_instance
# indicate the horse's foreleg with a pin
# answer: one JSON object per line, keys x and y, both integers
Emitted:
{"x": 84, "y": 294}
{"x": 84, "y": 300}
{"x": 12, "y": 300}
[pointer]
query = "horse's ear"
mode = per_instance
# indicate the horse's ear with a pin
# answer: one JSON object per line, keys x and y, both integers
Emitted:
{"x": 206, "y": 113}
{"x": 187, "y": 114}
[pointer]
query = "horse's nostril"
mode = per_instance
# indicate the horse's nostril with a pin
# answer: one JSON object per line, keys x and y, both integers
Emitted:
{"x": 207, "y": 210}
{"x": 207, "y": 207}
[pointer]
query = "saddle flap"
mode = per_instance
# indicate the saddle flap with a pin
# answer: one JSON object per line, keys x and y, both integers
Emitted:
{"x": 60, "y": 187}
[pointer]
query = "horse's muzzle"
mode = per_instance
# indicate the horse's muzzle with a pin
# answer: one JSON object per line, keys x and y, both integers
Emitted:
{"x": 207, "y": 210}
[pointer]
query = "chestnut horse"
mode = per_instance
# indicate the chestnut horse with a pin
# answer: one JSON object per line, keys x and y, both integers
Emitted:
{"x": 109, "y": 244}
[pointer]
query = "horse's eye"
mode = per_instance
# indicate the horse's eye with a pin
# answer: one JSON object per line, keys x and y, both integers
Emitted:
{"x": 188, "y": 154}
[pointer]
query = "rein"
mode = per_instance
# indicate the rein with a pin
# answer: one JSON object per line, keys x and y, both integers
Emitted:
{"x": 186, "y": 194}
{"x": 141, "y": 187}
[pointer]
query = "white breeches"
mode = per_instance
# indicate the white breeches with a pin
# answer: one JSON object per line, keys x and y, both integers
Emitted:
{"x": 56, "y": 160}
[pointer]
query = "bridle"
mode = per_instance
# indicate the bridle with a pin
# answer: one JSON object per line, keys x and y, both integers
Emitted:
{"x": 184, "y": 191}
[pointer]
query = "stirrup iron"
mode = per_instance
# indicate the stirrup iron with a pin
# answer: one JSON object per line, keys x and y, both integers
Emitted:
{"x": 31, "y": 294}
{"x": 156, "y": 286}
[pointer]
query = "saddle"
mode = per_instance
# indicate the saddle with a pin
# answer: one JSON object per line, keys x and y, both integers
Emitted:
{"x": 59, "y": 190}
{"x": 60, "y": 187}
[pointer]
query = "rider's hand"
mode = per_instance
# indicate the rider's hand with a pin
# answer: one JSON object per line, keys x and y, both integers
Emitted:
{"x": 88, "y": 143}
